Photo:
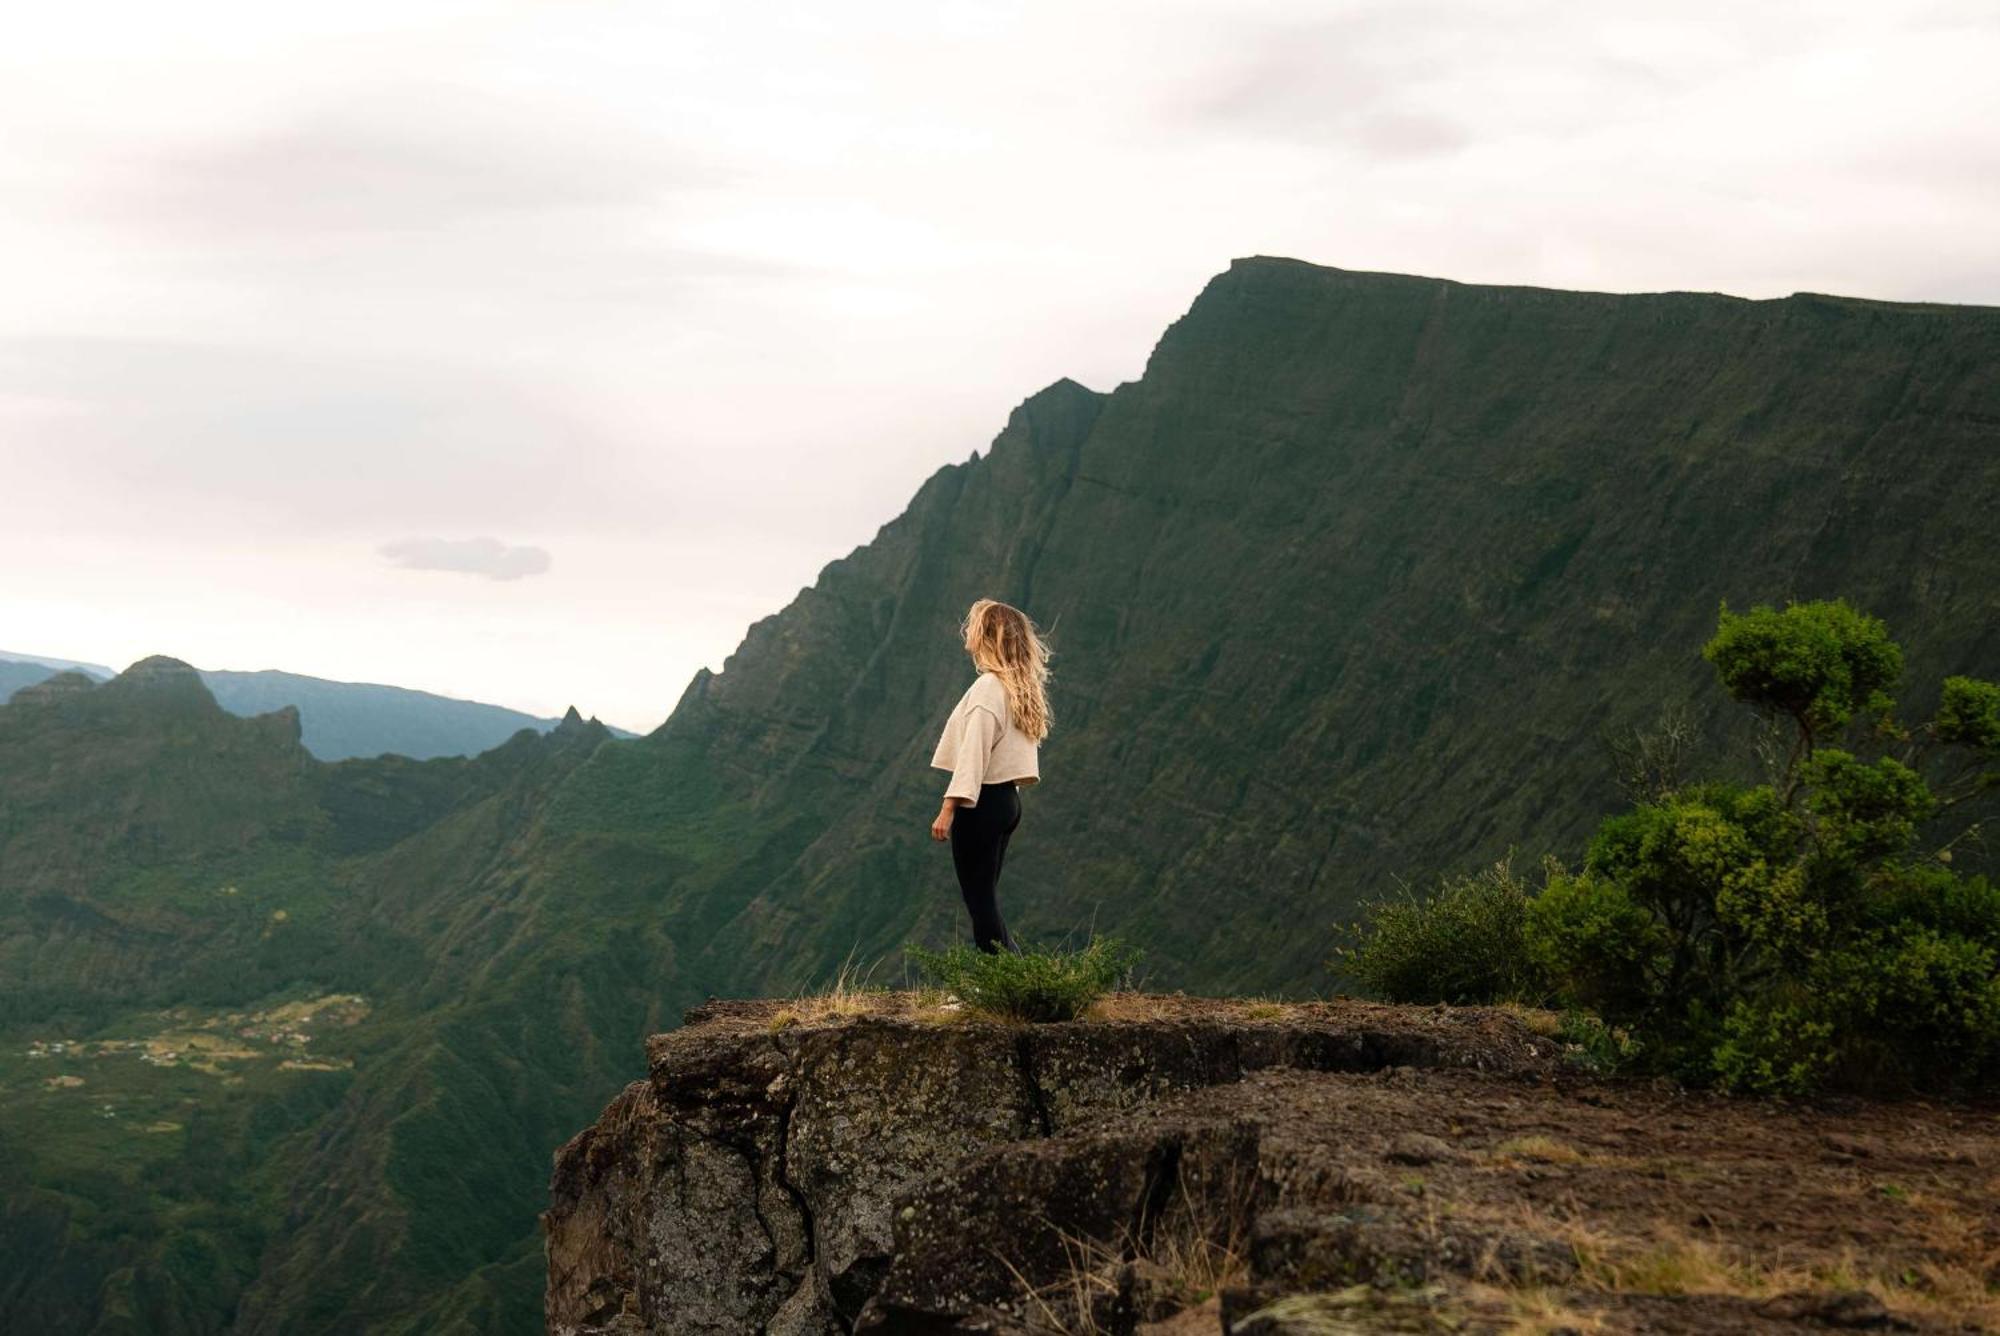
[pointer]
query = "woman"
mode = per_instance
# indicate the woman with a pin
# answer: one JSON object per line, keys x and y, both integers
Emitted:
{"x": 989, "y": 745}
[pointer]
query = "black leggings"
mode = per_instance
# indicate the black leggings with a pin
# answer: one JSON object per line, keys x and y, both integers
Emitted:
{"x": 979, "y": 837}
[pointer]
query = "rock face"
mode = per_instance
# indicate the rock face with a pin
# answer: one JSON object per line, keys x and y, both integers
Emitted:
{"x": 1216, "y": 1167}
{"x": 796, "y": 1179}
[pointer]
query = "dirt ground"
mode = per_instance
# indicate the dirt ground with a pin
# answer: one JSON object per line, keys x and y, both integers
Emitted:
{"x": 1500, "y": 1190}
{"x": 1683, "y": 1212}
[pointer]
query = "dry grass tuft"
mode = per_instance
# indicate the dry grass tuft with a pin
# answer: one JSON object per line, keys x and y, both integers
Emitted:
{"x": 850, "y": 994}
{"x": 1676, "y": 1266}
{"x": 1544, "y": 1150}
{"x": 1954, "y": 1273}
{"x": 1541, "y": 1020}
{"x": 1949, "y": 1283}
{"x": 1200, "y": 1248}
{"x": 1533, "y": 1310}
{"x": 1126, "y": 1006}
{"x": 1139, "y": 1006}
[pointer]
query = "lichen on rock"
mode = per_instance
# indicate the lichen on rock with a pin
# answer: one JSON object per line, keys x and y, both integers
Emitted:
{"x": 771, "y": 1177}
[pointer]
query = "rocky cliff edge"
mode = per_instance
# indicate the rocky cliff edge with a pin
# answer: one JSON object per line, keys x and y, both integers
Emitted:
{"x": 1177, "y": 1165}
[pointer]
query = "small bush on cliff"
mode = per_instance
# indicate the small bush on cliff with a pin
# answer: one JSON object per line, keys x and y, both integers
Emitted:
{"x": 1033, "y": 985}
{"x": 1782, "y": 936}
{"x": 1595, "y": 1047}
{"x": 1460, "y": 944}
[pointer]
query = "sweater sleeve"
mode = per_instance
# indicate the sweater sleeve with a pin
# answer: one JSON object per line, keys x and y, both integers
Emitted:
{"x": 977, "y": 734}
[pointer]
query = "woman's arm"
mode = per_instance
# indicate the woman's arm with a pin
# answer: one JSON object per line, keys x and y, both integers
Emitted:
{"x": 977, "y": 733}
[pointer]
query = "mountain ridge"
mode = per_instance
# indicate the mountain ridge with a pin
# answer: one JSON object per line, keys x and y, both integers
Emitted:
{"x": 339, "y": 720}
{"x": 1282, "y": 263}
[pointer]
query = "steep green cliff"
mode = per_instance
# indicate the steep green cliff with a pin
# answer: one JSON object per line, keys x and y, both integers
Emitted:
{"x": 1343, "y": 589}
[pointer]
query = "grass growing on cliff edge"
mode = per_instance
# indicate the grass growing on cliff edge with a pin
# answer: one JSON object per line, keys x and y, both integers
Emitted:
{"x": 1030, "y": 985}
{"x": 850, "y": 994}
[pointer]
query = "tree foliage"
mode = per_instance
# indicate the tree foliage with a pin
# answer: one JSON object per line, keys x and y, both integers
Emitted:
{"x": 1819, "y": 663}
{"x": 1783, "y": 936}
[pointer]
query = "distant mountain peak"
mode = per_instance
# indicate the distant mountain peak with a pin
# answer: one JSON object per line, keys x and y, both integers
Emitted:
{"x": 161, "y": 676}
{"x": 1058, "y": 391}
{"x": 58, "y": 687}
{"x": 159, "y": 668}
{"x": 334, "y": 720}
{"x": 159, "y": 684}
{"x": 574, "y": 725}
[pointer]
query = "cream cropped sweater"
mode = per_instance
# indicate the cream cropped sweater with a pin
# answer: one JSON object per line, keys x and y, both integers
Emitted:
{"x": 980, "y": 744}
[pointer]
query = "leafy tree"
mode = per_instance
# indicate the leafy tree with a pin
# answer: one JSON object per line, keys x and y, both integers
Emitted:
{"x": 1771, "y": 937}
{"x": 1780, "y": 936}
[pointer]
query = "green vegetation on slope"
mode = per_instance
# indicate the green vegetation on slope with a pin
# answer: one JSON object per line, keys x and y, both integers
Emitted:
{"x": 187, "y": 902}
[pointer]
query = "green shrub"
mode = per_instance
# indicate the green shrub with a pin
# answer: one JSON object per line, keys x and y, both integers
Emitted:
{"x": 1910, "y": 1002}
{"x": 1594, "y": 1046}
{"x": 1796, "y": 932}
{"x": 1932, "y": 895}
{"x": 1460, "y": 944}
{"x": 1774, "y": 1050}
{"x": 1969, "y": 713}
{"x": 1773, "y": 938}
{"x": 1030, "y": 985}
{"x": 1871, "y": 810}
{"x": 1587, "y": 937}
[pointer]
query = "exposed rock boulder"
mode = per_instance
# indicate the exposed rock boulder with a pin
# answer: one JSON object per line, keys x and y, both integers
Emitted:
{"x": 774, "y": 1177}
{"x": 1208, "y": 1168}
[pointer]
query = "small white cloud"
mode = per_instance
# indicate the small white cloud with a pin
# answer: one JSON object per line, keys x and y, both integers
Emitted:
{"x": 468, "y": 556}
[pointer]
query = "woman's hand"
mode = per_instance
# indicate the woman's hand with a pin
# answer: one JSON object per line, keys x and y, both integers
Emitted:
{"x": 941, "y": 826}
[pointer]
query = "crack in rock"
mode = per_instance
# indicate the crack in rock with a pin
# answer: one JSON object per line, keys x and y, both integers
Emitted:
{"x": 1038, "y": 1103}
{"x": 781, "y": 1181}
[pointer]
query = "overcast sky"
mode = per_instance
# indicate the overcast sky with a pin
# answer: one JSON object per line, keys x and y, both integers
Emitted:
{"x": 529, "y": 352}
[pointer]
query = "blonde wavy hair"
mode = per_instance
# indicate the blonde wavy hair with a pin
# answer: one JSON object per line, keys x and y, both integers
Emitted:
{"x": 1002, "y": 641}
